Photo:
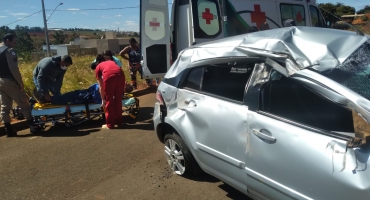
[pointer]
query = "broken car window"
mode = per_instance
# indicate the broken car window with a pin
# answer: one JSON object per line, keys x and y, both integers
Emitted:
{"x": 354, "y": 73}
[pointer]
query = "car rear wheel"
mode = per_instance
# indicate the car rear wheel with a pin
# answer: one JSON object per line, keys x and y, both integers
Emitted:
{"x": 179, "y": 157}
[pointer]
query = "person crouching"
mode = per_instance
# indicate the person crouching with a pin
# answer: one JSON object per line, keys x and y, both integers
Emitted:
{"x": 111, "y": 81}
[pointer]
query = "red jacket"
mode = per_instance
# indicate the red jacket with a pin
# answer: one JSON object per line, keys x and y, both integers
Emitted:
{"x": 107, "y": 69}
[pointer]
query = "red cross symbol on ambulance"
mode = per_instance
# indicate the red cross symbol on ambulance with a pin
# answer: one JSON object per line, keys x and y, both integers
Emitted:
{"x": 299, "y": 17}
{"x": 257, "y": 16}
{"x": 207, "y": 15}
{"x": 154, "y": 24}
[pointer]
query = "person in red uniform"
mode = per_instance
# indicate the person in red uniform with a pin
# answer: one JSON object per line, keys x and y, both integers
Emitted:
{"x": 111, "y": 80}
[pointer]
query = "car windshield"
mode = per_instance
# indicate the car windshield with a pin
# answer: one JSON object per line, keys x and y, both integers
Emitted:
{"x": 354, "y": 73}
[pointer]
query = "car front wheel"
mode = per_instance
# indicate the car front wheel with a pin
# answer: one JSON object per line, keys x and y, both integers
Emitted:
{"x": 178, "y": 156}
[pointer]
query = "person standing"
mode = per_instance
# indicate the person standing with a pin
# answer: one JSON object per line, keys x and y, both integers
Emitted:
{"x": 108, "y": 55}
{"x": 48, "y": 77}
{"x": 134, "y": 58}
{"x": 11, "y": 86}
{"x": 111, "y": 81}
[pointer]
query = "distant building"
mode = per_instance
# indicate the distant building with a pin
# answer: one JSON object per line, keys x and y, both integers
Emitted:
{"x": 350, "y": 18}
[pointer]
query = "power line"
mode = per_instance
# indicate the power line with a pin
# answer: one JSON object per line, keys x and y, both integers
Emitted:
{"x": 75, "y": 10}
{"x": 24, "y": 17}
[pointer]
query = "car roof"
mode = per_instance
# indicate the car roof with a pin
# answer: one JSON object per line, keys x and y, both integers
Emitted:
{"x": 319, "y": 48}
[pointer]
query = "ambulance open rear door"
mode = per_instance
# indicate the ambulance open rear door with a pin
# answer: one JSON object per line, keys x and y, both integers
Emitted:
{"x": 207, "y": 20}
{"x": 154, "y": 38}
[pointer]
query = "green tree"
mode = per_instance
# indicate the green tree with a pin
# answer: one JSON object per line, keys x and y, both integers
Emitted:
{"x": 366, "y": 9}
{"x": 328, "y": 11}
{"x": 24, "y": 44}
{"x": 333, "y": 12}
{"x": 344, "y": 10}
{"x": 60, "y": 37}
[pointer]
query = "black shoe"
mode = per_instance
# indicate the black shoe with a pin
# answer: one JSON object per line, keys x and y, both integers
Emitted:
{"x": 11, "y": 133}
{"x": 9, "y": 130}
{"x": 34, "y": 129}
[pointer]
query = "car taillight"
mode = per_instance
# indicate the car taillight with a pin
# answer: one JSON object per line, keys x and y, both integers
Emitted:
{"x": 159, "y": 98}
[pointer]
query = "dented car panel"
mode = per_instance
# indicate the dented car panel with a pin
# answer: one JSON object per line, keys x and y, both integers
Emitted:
{"x": 302, "y": 164}
{"x": 260, "y": 112}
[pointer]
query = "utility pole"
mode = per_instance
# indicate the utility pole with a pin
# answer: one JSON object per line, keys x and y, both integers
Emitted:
{"x": 46, "y": 29}
{"x": 46, "y": 26}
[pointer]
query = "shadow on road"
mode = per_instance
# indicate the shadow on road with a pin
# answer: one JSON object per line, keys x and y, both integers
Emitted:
{"x": 232, "y": 193}
{"x": 145, "y": 113}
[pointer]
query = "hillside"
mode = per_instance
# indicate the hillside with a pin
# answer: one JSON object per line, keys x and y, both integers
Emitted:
{"x": 363, "y": 23}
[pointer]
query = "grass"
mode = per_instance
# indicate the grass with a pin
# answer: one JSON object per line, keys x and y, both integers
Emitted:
{"x": 78, "y": 76}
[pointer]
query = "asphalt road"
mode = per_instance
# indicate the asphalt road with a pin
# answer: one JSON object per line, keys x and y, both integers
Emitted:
{"x": 85, "y": 162}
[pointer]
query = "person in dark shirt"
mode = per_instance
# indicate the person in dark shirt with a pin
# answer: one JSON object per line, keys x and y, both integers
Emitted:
{"x": 134, "y": 58}
{"x": 48, "y": 77}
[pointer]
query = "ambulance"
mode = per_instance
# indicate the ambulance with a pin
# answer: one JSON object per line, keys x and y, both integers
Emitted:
{"x": 164, "y": 35}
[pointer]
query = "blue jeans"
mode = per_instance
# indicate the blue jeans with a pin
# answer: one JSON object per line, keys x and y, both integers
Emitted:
{"x": 51, "y": 88}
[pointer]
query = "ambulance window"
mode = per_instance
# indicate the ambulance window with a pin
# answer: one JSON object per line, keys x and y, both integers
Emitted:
{"x": 294, "y": 12}
{"x": 154, "y": 24}
{"x": 206, "y": 18}
{"x": 316, "y": 18}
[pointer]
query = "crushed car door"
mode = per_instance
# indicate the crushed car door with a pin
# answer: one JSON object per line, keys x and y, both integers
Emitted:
{"x": 216, "y": 124}
{"x": 298, "y": 144}
{"x": 154, "y": 38}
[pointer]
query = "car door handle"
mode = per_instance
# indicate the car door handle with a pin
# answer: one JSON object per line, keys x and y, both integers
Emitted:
{"x": 190, "y": 103}
{"x": 263, "y": 135}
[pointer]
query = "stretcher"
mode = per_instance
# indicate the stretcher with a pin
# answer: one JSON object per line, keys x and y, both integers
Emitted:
{"x": 74, "y": 114}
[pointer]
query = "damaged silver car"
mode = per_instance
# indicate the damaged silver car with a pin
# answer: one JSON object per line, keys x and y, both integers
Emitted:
{"x": 278, "y": 114}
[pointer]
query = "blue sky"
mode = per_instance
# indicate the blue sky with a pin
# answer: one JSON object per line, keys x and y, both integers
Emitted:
{"x": 90, "y": 13}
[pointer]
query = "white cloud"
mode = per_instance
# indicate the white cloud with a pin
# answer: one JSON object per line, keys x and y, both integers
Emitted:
{"x": 3, "y": 16}
{"x": 102, "y": 4}
{"x": 73, "y": 9}
{"x": 84, "y": 13}
{"x": 117, "y": 23}
{"x": 110, "y": 16}
{"x": 18, "y": 14}
{"x": 7, "y": 11}
{"x": 131, "y": 23}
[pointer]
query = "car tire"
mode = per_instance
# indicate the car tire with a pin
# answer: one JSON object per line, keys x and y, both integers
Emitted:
{"x": 179, "y": 157}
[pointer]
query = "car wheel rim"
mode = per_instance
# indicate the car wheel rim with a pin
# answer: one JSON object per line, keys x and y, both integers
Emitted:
{"x": 175, "y": 157}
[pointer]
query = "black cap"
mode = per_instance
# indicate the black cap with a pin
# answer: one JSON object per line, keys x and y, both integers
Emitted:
{"x": 8, "y": 36}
